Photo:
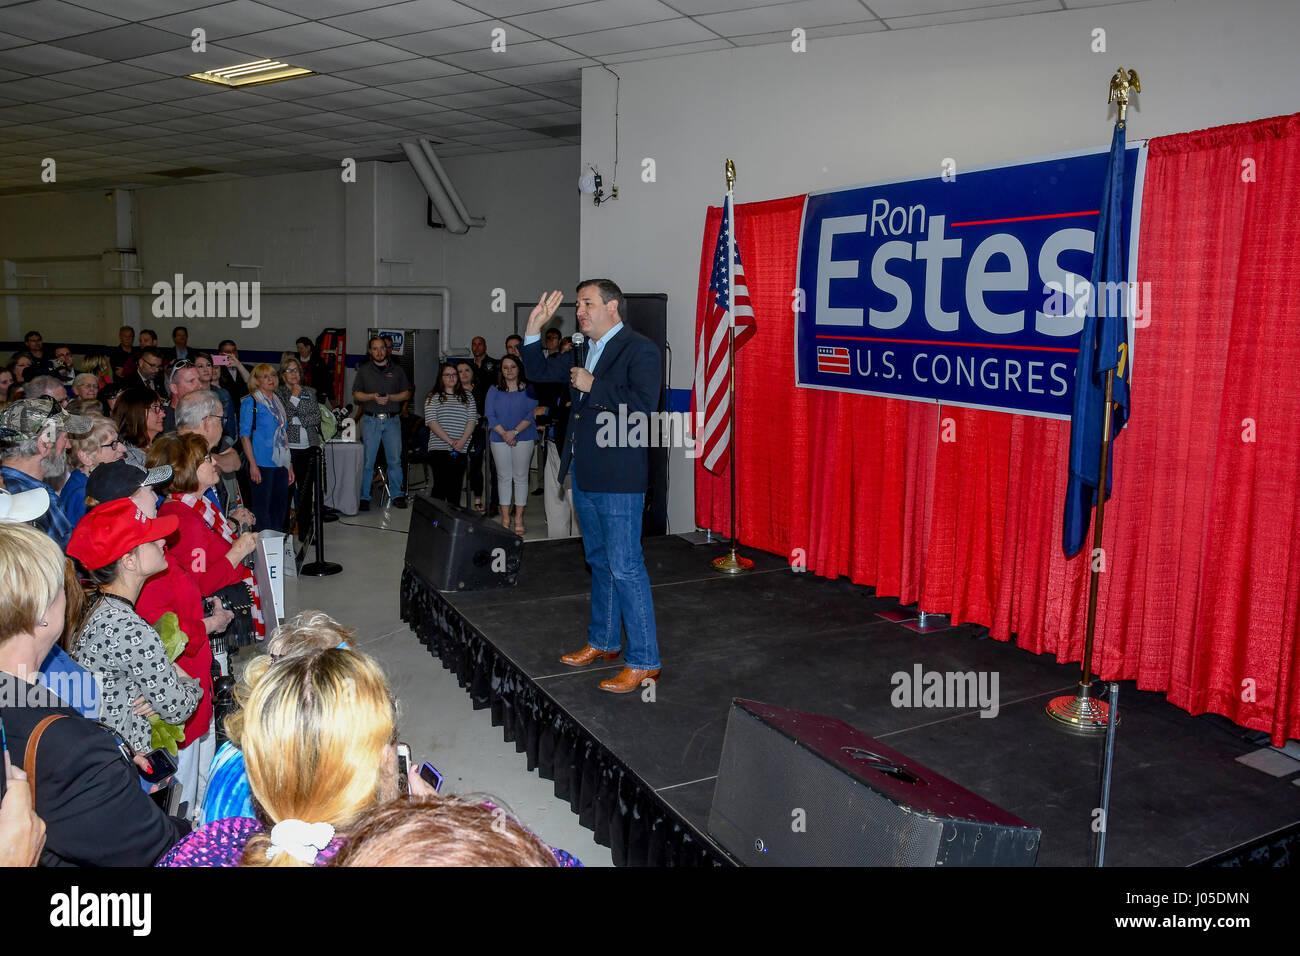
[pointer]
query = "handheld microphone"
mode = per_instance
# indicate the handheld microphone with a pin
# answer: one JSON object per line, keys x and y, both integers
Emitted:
{"x": 578, "y": 340}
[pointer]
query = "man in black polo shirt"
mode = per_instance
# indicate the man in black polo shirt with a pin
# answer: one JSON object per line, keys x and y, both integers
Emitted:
{"x": 380, "y": 388}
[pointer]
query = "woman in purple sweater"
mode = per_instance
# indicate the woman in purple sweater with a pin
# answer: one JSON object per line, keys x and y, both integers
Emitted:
{"x": 511, "y": 407}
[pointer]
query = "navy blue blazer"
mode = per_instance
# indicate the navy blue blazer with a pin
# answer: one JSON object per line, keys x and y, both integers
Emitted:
{"x": 628, "y": 379}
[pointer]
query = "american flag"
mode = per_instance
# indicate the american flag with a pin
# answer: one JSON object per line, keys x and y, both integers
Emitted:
{"x": 712, "y": 369}
{"x": 833, "y": 359}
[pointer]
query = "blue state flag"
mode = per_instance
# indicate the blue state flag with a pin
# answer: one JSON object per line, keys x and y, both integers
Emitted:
{"x": 1104, "y": 345}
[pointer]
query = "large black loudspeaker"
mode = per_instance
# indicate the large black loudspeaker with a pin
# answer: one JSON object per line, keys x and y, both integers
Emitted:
{"x": 799, "y": 789}
{"x": 455, "y": 549}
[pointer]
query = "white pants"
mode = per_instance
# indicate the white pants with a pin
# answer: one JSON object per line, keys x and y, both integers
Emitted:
{"x": 561, "y": 519}
{"x": 512, "y": 471}
{"x": 192, "y": 771}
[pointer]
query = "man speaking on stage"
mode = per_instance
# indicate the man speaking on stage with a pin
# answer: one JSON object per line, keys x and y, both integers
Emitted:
{"x": 614, "y": 368}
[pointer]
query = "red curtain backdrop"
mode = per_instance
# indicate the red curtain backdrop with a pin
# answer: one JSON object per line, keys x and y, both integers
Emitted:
{"x": 961, "y": 509}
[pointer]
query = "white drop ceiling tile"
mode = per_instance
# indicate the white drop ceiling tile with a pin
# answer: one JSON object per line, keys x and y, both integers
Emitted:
{"x": 418, "y": 124}
{"x": 87, "y": 122}
{"x": 200, "y": 124}
{"x": 403, "y": 71}
{"x": 414, "y": 16}
{"x": 816, "y": 33}
{"x": 1083, "y": 4}
{"x": 471, "y": 36}
{"x": 41, "y": 58}
{"x": 147, "y": 113}
{"x": 695, "y": 8}
{"x": 321, "y": 120}
{"x": 513, "y": 112}
{"x": 88, "y": 102}
{"x": 350, "y": 99}
{"x": 108, "y": 76}
{"x": 320, "y": 9}
{"x": 510, "y": 136}
{"x": 451, "y": 118}
{"x": 471, "y": 101}
{"x": 43, "y": 20}
{"x": 303, "y": 87}
{"x": 223, "y": 20}
{"x": 445, "y": 85}
{"x": 283, "y": 43}
{"x": 980, "y": 13}
{"x": 530, "y": 76}
{"x": 526, "y": 54}
{"x": 906, "y": 8}
{"x": 597, "y": 15}
{"x": 351, "y": 57}
{"x": 7, "y": 75}
{"x": 265, "y": 112}
{"x": 646, "y": 36}
{"x": 39, "y": 113}
{"x": 176, "y": 88}
{"x": 457, "y": 130}
{"x": 388, "y": 112}
{"x": 543, "y": 120}
{"x": 202, "y": 105}
{"x": 152, "y": 9}
{"x": 182, "y": 60}
{"x": 124, "y": 42}
{"x": 37, "y": 89}
{"x": 7, "y": 41}
{"x": 678, "y": 49}
{"x": 566, "y": 90}
{"x": 805, "y": 14}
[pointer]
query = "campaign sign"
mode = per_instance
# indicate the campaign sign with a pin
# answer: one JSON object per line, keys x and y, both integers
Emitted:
{"x": 968, "y": 291}
{"x": 398, "y": 337}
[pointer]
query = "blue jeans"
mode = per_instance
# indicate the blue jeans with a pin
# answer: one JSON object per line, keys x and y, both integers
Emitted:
{"x": 389, "y": 431}
{"x": 270, "y": 498}
{"x": 620, "y": 586}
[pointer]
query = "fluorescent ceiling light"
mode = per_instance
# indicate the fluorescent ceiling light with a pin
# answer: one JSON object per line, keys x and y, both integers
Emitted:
{"x": 251, "y": 74}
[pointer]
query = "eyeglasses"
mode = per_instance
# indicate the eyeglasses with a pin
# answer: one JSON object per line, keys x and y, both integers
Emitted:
{"x": 220, "y": 418}
{"x": 155, "y": 407}
{"x": 180, "y": 364}
{"x": 115, "y": 443}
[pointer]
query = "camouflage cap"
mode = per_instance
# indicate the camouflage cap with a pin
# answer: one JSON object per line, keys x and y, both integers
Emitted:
{"x": 28, "y": 417}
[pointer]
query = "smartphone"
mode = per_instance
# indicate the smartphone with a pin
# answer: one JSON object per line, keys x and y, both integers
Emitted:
{"x": 403, "y": 768}
{"x": 220, "y": 359}
{"x": 429, "y": 773}
{"x": 162, "y": 765}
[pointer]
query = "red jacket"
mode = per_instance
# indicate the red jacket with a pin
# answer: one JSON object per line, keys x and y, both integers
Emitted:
{"x": 196, "y": 566}
{"x": 175, "y": 590}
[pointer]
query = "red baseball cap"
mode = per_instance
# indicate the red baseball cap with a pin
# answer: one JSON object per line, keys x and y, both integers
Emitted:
{"x": 113, "y": 529}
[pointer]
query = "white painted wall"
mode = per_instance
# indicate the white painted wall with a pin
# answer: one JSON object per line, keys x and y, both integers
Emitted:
{"x": 883, "y": 106}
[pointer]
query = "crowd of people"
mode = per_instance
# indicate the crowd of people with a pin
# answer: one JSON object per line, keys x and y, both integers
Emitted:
{"x": 486, "y": 421}
{"x": 132, "y": 486}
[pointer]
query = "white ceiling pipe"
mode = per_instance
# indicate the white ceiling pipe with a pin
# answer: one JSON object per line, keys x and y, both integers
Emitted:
{"x": 433, "y": 186}
{"x": 443, "y": 178}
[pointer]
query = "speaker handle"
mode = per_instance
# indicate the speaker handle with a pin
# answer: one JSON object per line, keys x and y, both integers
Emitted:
{"x": 882, "y": 763}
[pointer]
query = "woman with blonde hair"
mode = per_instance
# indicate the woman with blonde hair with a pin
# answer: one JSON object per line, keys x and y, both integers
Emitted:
{"x": 263, "y": 424}
{"x": 318, "y": 735}
{"x": 99, "y": 366}
{"x": 228, "y": 794}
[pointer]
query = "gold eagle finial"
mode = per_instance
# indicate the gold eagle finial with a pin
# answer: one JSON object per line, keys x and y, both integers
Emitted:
{"x": 1120, "y": 84}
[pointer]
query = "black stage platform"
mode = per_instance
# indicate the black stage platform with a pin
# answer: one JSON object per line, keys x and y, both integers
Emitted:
{"x": 641, "y": 774}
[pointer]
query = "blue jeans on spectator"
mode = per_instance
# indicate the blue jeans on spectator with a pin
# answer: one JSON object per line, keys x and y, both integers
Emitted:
{"x": 388, "y": 431}
{"x": 620, "y": 586}
{"x": 270, "y": 498}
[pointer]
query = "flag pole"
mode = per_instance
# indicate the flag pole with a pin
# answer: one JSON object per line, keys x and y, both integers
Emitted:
{"x": 732, "y": 562}
{"x": 1081, "y": 712}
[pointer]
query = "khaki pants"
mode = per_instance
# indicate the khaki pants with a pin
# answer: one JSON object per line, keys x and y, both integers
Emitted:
{"x": 561, "y": 519}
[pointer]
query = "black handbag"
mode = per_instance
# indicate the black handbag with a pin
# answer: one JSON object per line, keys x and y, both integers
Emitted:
{"x": 238, "y": 600}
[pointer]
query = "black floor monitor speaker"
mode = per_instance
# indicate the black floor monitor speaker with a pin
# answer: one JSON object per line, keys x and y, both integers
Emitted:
{"x": 798, "y": 789}
{"x": 455, "y": 549}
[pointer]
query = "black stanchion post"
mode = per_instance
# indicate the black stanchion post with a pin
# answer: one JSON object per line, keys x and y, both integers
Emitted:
{"x": 320, "y": 567}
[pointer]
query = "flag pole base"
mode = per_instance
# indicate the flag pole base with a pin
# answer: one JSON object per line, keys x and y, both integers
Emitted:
{"x": 732, "y": 563}
{"x": 1080, "y": 713}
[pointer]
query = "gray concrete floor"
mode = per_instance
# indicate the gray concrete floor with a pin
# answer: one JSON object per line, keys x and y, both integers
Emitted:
{"x": 435, "y": 715}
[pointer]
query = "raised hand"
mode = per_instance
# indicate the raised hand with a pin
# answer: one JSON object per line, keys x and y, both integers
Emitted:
{"x": 542, "y": 312}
